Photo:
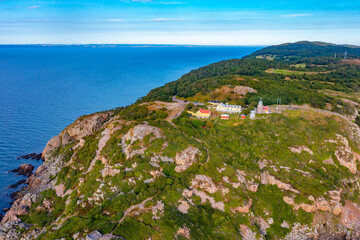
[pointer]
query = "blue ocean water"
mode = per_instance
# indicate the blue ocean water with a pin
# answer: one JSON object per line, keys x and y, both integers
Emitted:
{"x": 44, "y": 89}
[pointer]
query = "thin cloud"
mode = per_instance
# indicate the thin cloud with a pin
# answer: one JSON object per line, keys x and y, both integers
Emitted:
{"x": 153, "y": 2}
{"x": 115, "y": 20}
{"x": 163, "y": 20}
{"x": 33, "y": 7}
{"x": 297, "y": 15}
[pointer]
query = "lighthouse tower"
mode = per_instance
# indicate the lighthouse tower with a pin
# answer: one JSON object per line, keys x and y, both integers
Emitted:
{"x": 260, "y": 106}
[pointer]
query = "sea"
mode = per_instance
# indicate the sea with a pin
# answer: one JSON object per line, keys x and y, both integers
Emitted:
{"x": 43, "y": 89}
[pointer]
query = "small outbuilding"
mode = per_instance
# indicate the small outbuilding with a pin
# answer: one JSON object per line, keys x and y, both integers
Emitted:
{"x": 243, "y": 116}
{"x": 266, "y": 109}
{"x": 225, "y": 116}
{"x": 252, "y": 114}
{"x": 94, "y": 235}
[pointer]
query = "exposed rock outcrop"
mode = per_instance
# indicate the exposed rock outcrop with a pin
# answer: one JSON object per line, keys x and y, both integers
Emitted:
{"x": 266, "y": 178}
{"x": 82, "y": 127}
{"x": 18, "y": 183}
{"x": 185, "y": 158}
{"x": 25, "y": 169}
{"x": 245, "y": 208}
{"x": 320, "y": 204}
{"x": 204, "y": 182}
{"x": 138, "y": 133}
{"x": 345, "y": 155}
{"x": 246, "y": 233}
{"x": 19, "y": 208}
{"x": 300, "y": 149}
{"x": 184, "y": 231}
{"x": 34, "y": 156}
{"x": 350, "y": 216}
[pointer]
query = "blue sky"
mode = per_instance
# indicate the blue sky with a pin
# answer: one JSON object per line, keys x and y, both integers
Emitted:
{"x": 211, "y": 22}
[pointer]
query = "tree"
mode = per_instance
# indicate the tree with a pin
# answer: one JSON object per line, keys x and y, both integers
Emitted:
{"x": 189, "y": 106}
{"x": 210, "y": 124}
{"x": 357, "y": 120}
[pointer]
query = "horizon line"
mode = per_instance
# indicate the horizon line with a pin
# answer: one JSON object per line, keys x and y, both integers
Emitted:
{"x": 129, "y": 44}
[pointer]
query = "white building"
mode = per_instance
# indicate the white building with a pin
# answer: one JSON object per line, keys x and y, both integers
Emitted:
{"x": 224, "y": 116}
{"x": 261, "y": 108}
{"x": 226, "y": 108}
{"x": 252, "y": 114}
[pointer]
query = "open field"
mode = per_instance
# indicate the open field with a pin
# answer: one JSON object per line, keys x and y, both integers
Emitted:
{"x": 354, "y": 97}
{"x": 300, "y": 65}
{"x": 352, "y": 62}
{"x": 290, "y": 72}
{"x": 267, "y": 57}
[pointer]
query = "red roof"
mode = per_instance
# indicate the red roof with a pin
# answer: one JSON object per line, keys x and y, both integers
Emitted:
{"x": 266, "y": 107}
{"x": 204, "y": 111}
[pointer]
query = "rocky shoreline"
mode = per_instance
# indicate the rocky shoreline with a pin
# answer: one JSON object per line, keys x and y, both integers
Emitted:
{"x": 10, "y": 224}
{"x": 25, "y": 169}
{"x": 35, "y": 156}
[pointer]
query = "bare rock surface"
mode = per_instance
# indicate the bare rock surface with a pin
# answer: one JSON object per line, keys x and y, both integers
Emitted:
{"x": 184, "y": 231}
{"x": 85, "y": 125}
{"x": 204, "y": 198}
{"x": 204, "y": 182}
{"x": 345, "y": 155}
{"x": 300, "y": 149}
{"x": 183, "y": 206}
{"x": 82, "y": 127}
{"x": 246, "y": 233}
{"x": 350, "y": 216}
{"x": 25, "y": 169}
{"x": 266, "y": 178}
{"x": 105, "y": 136}
{"x": 185, "y": 158}
{"x": 19, "y": 208}
{"x": 245, "y": 208}
{"x": 263, "y": 224}
{"x": 138, "y": 133}
{"x": 35, "y": 156}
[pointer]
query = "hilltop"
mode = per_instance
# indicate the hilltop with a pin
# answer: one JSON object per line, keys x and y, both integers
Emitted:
{"x": 152, "y": 171}
{"x": 303, "y": 50}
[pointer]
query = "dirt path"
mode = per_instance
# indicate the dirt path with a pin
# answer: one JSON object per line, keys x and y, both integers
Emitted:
{"x": 315, "y": 109}
{"x": 127, "y": 211}
{"x": 286, "y": 71}
{"x": 185, "y": 102}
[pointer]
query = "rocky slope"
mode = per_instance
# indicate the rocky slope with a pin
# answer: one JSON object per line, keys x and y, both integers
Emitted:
{"x": 292, "y": 175}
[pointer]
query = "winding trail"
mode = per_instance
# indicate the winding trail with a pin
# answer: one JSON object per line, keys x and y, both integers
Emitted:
{"x": 297, "y": 107}
{"x": 127, "y": 211}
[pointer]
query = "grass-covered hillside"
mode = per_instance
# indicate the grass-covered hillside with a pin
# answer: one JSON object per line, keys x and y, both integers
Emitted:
{"x": 151, "y": 171}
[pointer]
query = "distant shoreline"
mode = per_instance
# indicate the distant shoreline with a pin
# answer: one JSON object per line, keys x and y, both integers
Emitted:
{"x": 120, "y": 45}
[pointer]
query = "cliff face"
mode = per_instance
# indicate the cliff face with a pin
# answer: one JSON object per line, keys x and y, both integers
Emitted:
{"x": 292, "y": 175}
{"x": 82, "y": 127}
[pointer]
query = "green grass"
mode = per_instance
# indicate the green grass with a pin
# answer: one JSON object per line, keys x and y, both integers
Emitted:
{"x": 267, "y": 57}
{"x": 300, "y": 65}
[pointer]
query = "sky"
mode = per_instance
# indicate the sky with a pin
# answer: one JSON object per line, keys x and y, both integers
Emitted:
{"x": 197, "y": 22}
